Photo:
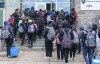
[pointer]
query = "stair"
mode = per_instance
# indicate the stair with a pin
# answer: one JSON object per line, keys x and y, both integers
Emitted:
{"x": 39, "y": 45}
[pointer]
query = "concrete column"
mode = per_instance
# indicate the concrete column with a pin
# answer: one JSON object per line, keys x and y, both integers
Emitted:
{"x": 10, "y": 7}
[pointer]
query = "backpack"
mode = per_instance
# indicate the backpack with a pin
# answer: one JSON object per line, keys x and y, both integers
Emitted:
{"x": 76, "y": 38}
{"x": 91, "y": 41}
{"x": 5, "y": 33}
{"x": 81, "y": 35}
{"x": 20, "y": 29}
{"x": 51, "y": 33}
{"x": 66, "y": 40}
{"x": 31, "y": 28}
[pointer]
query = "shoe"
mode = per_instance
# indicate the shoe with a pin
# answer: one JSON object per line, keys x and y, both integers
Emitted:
{"x": 70, "y": 58}
{"x": 74, "y": 58}
{"x": 46, "y": 57}
{"x": 66, "y": 63}
{"x": 50, "y": 58}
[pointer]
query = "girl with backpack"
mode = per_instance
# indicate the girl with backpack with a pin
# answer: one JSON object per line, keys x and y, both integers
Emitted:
{"x": 66, "y": 36}
{"x": 58, "y": 44}
{"x": 74, "y": 44}
{"x": 9, "y": 40}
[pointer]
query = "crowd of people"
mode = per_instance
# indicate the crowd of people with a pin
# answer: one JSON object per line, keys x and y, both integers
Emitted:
{"x": 54, "y": 26}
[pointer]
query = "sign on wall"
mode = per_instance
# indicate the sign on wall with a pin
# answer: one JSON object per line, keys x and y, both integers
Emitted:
{"x": 90, "y": 4}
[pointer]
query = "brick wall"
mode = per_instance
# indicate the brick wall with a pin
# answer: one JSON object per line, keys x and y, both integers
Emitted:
{"x": 86, "y": 16}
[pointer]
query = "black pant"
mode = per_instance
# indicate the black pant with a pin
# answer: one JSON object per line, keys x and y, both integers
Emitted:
{"x": 22, "y": 36}
{"x": 9, "y": 42}
{"x": 48, "y": 48}
{"x": 59, "y": 51}
{"x": 30, "y": 38}
{"x": 66, "y": 54}
{"x": 73, "y": 50}
{"x": 40, "y": 34}
{"x": 35, "y": 36}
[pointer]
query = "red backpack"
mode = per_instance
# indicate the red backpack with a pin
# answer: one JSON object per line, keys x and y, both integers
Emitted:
{"x": 11, "y": 21}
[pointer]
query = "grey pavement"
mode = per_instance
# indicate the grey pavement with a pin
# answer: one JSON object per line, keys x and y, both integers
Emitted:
{"x": 36, "y": 57}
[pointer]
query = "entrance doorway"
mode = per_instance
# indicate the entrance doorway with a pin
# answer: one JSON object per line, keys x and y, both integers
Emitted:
{"x": 48, "y": 6}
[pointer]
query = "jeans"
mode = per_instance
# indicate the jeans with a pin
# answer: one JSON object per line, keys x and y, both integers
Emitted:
{"x": 88, "y": 55}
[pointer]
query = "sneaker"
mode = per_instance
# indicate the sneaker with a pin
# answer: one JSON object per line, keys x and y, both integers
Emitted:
{"x": 70, "y": 58}
{"x": 66, "y": 63}
{"x": 50, "y": 58}
{"x": 74, "y": 58}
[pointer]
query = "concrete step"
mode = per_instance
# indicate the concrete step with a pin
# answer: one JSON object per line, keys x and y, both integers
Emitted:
{"x": 32, "y": 49}
{"x": 39, "y": 45}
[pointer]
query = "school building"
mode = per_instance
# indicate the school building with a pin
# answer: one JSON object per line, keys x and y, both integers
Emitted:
{"x": 85, "y": 10}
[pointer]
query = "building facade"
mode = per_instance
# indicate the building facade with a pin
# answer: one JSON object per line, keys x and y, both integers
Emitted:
{"x": 7, "y": 7}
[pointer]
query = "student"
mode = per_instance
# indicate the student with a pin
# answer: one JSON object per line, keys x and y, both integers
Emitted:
{"x": 74, "y": 44}
{"x": 66, "y": 36}
{"x": 49, "y": 35}
{"x": 90, "y": 45}
{"x": 9, "y": 40}
{"x": 31, "y": 30}
{"x": 81, "y": 38}
{"x": 58, "y": 44}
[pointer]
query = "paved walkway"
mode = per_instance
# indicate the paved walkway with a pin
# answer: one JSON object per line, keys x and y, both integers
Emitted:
{"x": 36, "y": 57}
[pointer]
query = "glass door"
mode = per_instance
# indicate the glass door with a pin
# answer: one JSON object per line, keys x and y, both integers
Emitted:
{"x": 40, "y": 6}
{"x": 2, "y": 17}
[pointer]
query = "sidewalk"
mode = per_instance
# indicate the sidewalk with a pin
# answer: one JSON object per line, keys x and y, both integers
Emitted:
{"x": 36, "y": 57}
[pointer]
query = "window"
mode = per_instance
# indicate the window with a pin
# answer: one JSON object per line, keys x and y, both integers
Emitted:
{"x": 45, "y": 0}
{"x": 64, "y": 6}
{"x": 1, "y": 17}
{"x": 27, "y": 5}
{"x": 63, "y": 0}
{"x": 27, "y": 0}
{"x": 2, "y": 4}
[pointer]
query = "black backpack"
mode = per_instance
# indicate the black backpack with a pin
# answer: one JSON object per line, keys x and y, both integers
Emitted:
{"x": 81, "y": 35}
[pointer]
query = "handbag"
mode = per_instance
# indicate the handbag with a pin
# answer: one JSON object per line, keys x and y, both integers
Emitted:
{"x": 14, "y": 51}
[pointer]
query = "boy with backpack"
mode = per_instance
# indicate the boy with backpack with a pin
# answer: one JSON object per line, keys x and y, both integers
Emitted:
{"x": 49, "y": 35}
{"x": 31, "y": 30}
{"x": 90, "y": 45}
{"x": 81, "y": 38}
{"x": 74, "y": 44}
{"x": 66, "y": 36}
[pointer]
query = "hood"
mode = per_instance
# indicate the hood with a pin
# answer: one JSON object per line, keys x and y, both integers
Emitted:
{"x": 6, "y": 23}
{"x": 32, "y": 8}
{"x": 66, "y": 30}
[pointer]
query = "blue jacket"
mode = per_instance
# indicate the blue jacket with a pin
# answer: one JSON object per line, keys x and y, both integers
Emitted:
{"x": 10, "y": 29}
